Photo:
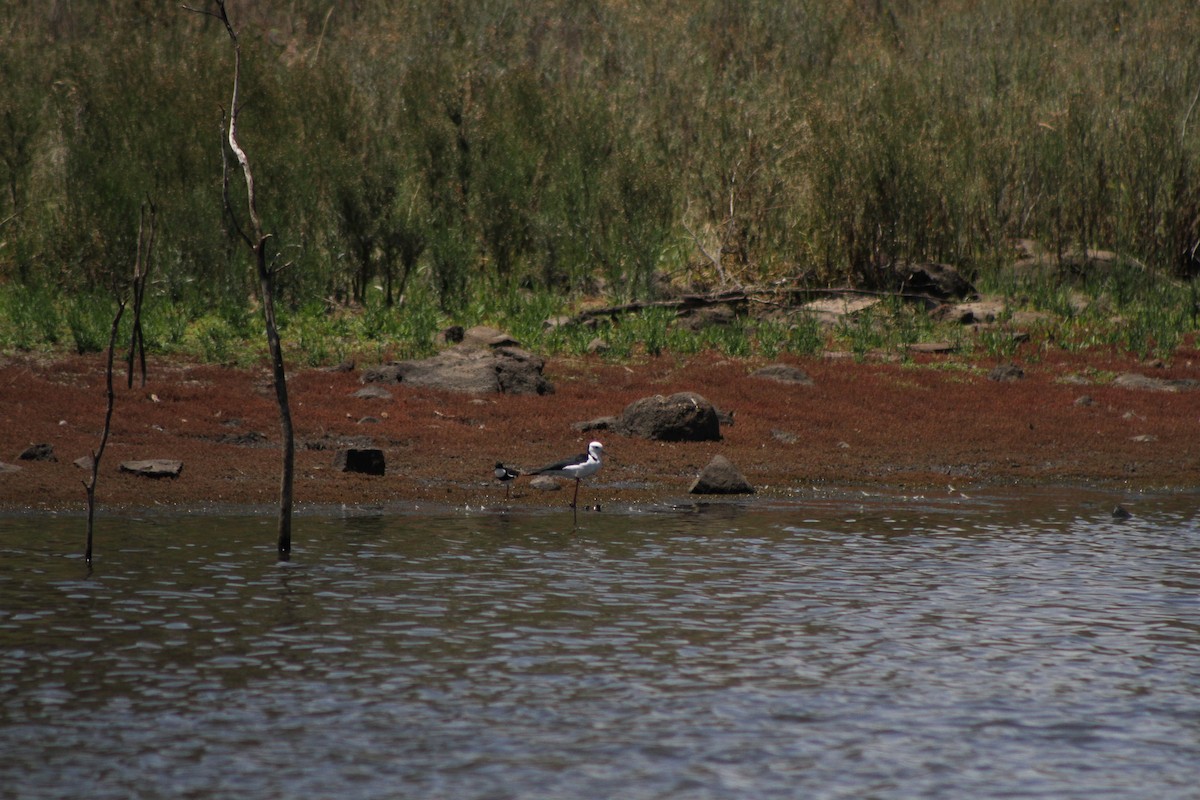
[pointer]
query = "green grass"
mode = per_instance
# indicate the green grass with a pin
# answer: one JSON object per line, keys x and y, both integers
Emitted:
{"x": 460, "y": 148}
{"x": 1151, "y": 320}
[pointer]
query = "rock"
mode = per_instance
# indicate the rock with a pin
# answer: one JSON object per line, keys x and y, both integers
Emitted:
{"x": 38, "y": 452}
{"x": 153, "y": 468}
{"x": 830, "y": 311}
{"x": 554, "y": 323}
{"x": 598, "y": 346}
{"x": 598, "y": 424}
{"x": 483, "y": 336}
{"x": 1132, "y": 380}
{"x": 520, "y": 372}
{"x": 1005, "y": 373}
{"x": 344, "y": 366}
{"x": 247, "y": 439}
{"x": 1085, "y": 400}
{"x": 1120, "y": 512}
{"x": 367, "y": 460}
{"x": 84, "y": 463}
{"x": 974, "y": 313}
{"x": 451, "y": 335}
{"x": 471, "y": 369}
{"x": 940, "y": 281}
{"x": 784, "y": 437}
{"x": 682, "y": 417}
{"x": 698, "y": 319}
{"x": 373, "y": 393}
{"x": 8, "y": 468}
{"x": 545, "y": 483}
{"x": 721, "y": 477}
{"x": 931, "y": 348}
{"x": 783, "y": 373}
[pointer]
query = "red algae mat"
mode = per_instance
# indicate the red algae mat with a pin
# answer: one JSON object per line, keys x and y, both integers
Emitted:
{"x": 917, "y": 426}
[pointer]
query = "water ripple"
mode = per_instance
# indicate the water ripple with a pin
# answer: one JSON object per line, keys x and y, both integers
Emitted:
{"x": 851, "y": 647}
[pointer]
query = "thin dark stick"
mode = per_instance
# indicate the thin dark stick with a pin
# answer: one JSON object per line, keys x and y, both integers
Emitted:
{"x": 90, "y": 485}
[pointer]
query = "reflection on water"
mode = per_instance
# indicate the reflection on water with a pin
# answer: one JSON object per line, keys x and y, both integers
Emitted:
{"x": 865, "y": 647}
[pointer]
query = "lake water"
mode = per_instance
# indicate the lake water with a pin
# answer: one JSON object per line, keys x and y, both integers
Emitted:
{"x": 845, "y": 646}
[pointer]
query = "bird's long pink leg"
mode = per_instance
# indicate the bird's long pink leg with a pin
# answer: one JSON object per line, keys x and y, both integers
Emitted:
{"x": 576, "y": 497}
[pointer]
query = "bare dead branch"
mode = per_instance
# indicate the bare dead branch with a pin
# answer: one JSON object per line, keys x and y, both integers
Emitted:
{"x": 257, "y": 240}
{"x": 141, "y": 274}
{"x": 90, "y": 484}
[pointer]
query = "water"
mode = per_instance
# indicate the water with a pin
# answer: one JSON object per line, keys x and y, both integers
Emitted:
{"x": 882, "y": 647}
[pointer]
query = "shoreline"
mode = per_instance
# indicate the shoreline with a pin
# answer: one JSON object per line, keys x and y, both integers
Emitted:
{"x": 930, "y": 426}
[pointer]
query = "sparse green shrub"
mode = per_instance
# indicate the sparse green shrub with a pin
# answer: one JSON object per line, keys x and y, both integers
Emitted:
{"x": 89, "y": 319}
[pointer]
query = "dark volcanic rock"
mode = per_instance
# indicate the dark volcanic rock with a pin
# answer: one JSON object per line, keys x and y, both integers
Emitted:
{"x": 682, "y": 417}
{"x": 38, "y": 452}
{"x": 368, "y": 460}
{"x": 721, "y": 477}
{"x": 597, "y": 424}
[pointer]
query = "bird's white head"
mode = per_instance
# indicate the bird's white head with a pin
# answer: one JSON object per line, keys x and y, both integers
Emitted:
{"x": 596, "y": 450}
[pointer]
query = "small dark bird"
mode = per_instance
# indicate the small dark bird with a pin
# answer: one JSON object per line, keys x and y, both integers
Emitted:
{"x": 505, "y": 475}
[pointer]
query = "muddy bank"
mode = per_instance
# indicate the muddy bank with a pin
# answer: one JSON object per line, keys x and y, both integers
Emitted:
{"x": 937, "y": 422}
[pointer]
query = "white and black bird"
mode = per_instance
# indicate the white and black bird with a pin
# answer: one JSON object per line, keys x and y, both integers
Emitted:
{"x": 577, "y": 467}
{"x": 505, "y": 475}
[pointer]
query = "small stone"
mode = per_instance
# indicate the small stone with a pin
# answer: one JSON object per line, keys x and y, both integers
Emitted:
{"x": 783, "y": 373}
{"x": 366, "y": 460}
{"x": 598, "y": 424}
{"x": 38, "y": 452}
{"x": 1005, "y": 373}
{"x": 373, "y": 393}
{"x": 721, "y": 477}
{"x": 450, "y": 335}
{"x": 1084, "y": 400}
{"x": 1120, "y": 512}
{"x": 153, "y": 468}
{"x": 545, "y": 483}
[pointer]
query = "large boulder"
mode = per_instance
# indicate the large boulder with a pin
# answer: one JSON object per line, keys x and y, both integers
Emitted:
{"x": 721, "y": 477}
{"x": 682, "y": 417}
{"x": 471, "y": 369}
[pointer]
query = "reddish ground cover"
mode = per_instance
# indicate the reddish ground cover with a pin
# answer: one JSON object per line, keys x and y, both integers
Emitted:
{"x": 902, "y": 427}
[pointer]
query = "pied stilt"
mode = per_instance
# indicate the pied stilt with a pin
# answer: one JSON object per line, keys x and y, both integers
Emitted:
{"x": 505, "y": 475}
{"x": 577, "y": 467}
